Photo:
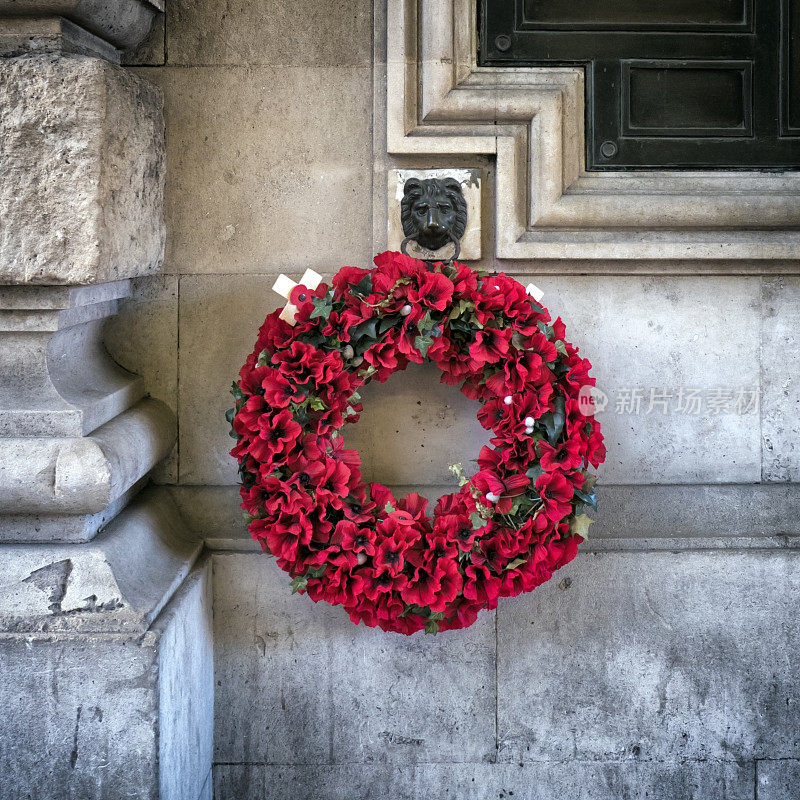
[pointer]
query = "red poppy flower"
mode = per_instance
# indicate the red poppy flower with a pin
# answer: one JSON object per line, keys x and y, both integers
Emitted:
{"x": 480, "y": 585}
{"x": 450, "y": 583}
{"x": 279, "y": 391}
{"x": 490, "y": 345}
{"x": 356, "y": 539}
{"x": 435, "y": 291}
{"x": 422, "y": 588}
{"x": 557, "y": 493}
{"x": 390, "y": 554}
{"x": 276, "y": 438}
{"x": 500, "y": 492}
{"x": 566, "y": 456}
{"x": 377, "y": 582}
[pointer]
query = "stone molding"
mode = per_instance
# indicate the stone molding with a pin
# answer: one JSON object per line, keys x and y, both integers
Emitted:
{"x": 78, "y": 437}
{"x": 84, "y": 475}
{"x": 630, "y": 517}
{"x": 122, "y": 23}
{"x": 59, "y": 379}
{"x": 440, "y": 104}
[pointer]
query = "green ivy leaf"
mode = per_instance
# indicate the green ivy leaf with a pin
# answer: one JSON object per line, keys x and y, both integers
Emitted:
{"x": 518, "y": 340}
{"x": 299, "y": 584}
{"x": 580, "y": 526}
{"x": 322, "y": 307}
{"x": 460, "y": 307}
{"x": 517, "y": 562}
{"x": 316, "y": 404}
{"x": 589, "y": 498}
{"x": 432, "y": 627}
{"x": 476, "y": 520}
{"x": 561, "y": 348}
{"x": 363, "y": 287}
{"x": 423, "y": 343}
{"x": 553, "y": 421}
{"x": 237, "y": 392}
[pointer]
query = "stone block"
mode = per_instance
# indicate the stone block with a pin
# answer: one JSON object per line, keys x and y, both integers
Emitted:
{"x": 332, "y": 692}
{"x": 663, "y": 657}
{"x": 297, "y": 33}
{"x": 186, "y": 689}
{"x": 143, "y": 338}
{"x": 777, "y": 780}
{"x": 576, "y": 780}
{"x": 220, "y": 317}
{"x": 413, "y": 427}
{"x": 82, "y": 191}
{"x": 126, "y": 715}
{"x": 259, "y": 182}
{"x": 80, "y": 719}
{"x": 780, "y": 354}
{"x": 213, "y": 513}
{"x": 637, "y": 517}
{"x": 668, "y": 334}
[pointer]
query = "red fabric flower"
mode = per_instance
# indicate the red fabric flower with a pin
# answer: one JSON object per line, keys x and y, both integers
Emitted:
{"x": 557, "y": 493}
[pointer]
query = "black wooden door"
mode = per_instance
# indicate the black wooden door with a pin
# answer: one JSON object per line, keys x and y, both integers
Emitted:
{"x": 675, "y": 84}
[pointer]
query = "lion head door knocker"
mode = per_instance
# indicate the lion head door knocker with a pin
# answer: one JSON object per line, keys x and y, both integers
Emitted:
{"x": 433, "y": 212}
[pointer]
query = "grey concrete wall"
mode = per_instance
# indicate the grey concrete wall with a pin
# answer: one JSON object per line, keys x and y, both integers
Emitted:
{"x": 659, "y": 664}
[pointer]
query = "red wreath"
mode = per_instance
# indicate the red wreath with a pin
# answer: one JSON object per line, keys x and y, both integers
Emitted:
{"x": 506, "y": 530}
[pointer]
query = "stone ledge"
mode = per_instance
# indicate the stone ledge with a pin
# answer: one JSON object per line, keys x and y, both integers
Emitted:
{"x": 117, "y": 583}
{"x": 577, "y": 780}
{"x": 122, "y": 23}
{"x": 51, "y": 35}
{"x": 82, "y": 191}
{"x": 629, "y": 518}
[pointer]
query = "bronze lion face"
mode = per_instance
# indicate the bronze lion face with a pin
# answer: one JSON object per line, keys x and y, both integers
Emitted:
{"x": 433, "y": 211}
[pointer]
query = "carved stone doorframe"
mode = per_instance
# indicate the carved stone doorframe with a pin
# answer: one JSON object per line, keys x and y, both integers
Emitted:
{"x": 440, "y": 104}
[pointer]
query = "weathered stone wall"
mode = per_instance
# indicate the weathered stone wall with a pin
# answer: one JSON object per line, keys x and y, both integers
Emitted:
{"x": 660, "y": 663}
